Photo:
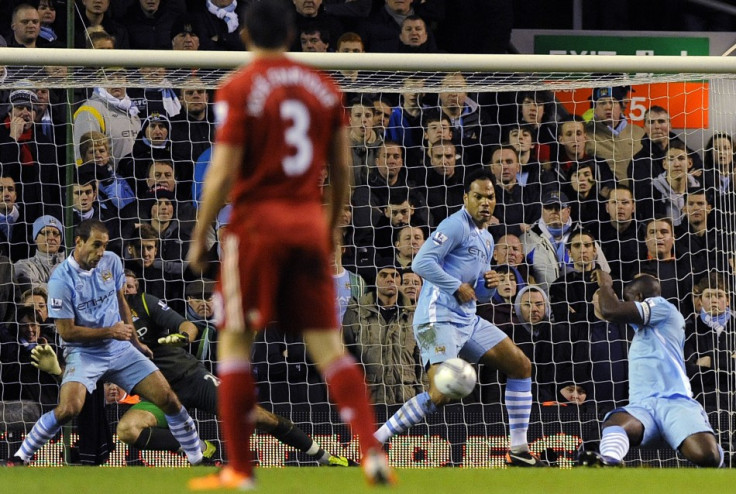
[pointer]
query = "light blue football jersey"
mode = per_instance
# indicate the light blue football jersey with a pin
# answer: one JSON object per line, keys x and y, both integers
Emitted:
{"x": 88, "y": 297}
{"x": 656, "y": 360}
{"x": 457, "y": 252}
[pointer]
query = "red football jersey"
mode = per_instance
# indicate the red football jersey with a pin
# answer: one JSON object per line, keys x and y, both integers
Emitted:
{"x": 284, "y": 114}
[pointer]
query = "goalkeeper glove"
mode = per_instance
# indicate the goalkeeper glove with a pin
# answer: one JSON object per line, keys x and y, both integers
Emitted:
{"x": 176, "y": 339}
{"x": 44, "y": 358}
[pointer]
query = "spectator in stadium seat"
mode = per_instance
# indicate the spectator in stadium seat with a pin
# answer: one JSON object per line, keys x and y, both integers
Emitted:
{"x": 220, "y": 26}
{"x": 27, "y": 392}
{"x": 184, "y": 34}
{"x": 174, "y": 234}
{"x": 710, "y": 347}
{"x": 161, "y": 178}
{"x": 29, "y": 157}
{"x": 719, "y": 163}
{"x": 95, "y": 13}
{"x": 544, "y": 243}
{"x": 522, "y": 138}
{"x": 50, "y": 118}
{"x": 383, "y": 27}
{"x": 517, "y": 206}
{"x": 152, "y": 144}
{"x": 405, "y": 123}
{"x": 349, "y": 286}
{"x": 411, "y": 285}
{"x": 38, "y": 299}
{"x": 648, "y": 162}
{"x": 377, "y": 330}
{"x": 200, "y": 310}
{"x": 407, "y": 242}
{"x": 444, "y": 183}
{"x": 99, "y": 39}
{"x": 35, "y": 271}
{"x": 381, "y": 114}
{"x": 114, "y": 191}
{"x": 621, "y": 235}
{"x": 661, "y": 262}
{"x": 508, "y": 250}
{"x": 349, "y": 42}
{"x": 670, "y": 186}
{"x": 311, "y": 13}
{"x": 569, "y": 150}
{"x": 86, "y": 205}
{"x": 111, "y": 111}
{"x": 436, "y": 129}
{"x": 149, "y": 23}
{"x": 387, "y": 177}
{"x": 364, "y": 140}
{"x": 158, "y": 96}
{"x": 314, "y": 37}
{"x": 500, "y": 309}
{"x": 571, "y": 295}
{"x": 468, "y": 126}
{"x": 14, "y": 223}
{"x": 698, "y": 243}
{"x": 49, "y": 26}
{"x": 164, "y": 280}
{"x": 539, "y": 110}
{"x": 192, "y": 134}
{"x": 612, "y": 136}
{"x": 415, "y": 37}
{"x": 586, "y": 202}
{"x": 26, "y": 29}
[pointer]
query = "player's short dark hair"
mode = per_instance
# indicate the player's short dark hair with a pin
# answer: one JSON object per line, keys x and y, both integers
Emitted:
{"x": 713, "y": 280}
{"x": 430, "y": 116}
{"x": 483, "y": 174}
{"x": 84, "y": 229}
{"x": 318, "y": 28}
{"x": 699, "y": 191}
{"x": 570, "y": 119}
{"x": 270, "y": 23}
{"x": 646, "y": 284}
{"x": 397, "y": 232}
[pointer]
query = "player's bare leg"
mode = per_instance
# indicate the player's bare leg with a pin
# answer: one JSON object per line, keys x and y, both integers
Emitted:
{"x": 346, "y": 384}
{"x": 620, "y": 431}
{"x": 237, "y": 400}
{"x": 703, "y": 450}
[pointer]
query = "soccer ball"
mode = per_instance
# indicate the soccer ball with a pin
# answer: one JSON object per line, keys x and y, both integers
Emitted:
{"x": 455, "y": 378}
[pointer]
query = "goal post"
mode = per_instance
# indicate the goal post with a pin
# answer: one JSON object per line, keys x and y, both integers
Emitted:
{"x": 697, "y": 94}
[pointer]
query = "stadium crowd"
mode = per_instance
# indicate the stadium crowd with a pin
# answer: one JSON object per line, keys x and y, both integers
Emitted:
{"x": 573, "y": 193}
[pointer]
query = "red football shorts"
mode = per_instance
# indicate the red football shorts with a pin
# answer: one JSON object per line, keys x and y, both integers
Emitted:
{"x": 277, "y": 268}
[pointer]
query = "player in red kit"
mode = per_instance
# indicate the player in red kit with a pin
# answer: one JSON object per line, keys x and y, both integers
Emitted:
{"x": 279, "y": 123}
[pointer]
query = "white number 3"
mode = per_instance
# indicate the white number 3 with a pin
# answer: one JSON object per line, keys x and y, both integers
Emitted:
{"x": 297, "y": 137}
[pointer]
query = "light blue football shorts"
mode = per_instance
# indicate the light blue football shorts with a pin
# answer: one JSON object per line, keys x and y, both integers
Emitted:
{"x": 125, "y": 367}
{"x": 672, "y": 419}
{"x": 440, "y": 341}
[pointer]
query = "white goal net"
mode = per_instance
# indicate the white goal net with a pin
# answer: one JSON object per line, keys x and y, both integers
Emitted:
{"x": 618, "y": 163}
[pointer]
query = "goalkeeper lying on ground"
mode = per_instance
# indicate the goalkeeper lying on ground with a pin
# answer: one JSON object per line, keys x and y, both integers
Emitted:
{"x": 144, "y": 425}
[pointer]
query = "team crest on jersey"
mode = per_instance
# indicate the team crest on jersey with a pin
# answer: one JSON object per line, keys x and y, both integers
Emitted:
{"x": 439, "y": 238}
{"x": 440, "y": 349}
{"x": 134, "y": 315}
{"x": 106, "y": 275}
{"x": 55, "y": 303}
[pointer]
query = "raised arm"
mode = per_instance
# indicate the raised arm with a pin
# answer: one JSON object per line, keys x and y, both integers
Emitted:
{"x": 613, "y": 309}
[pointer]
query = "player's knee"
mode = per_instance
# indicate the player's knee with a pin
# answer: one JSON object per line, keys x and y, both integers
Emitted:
{"x": 265, "y": 420}
{"x": 128, "y": 431}
{"x": 522, "y": 368}
{"x": 707, "y": 457}
{"x": 66, "y": 411}
{"x": 168, "y": 402}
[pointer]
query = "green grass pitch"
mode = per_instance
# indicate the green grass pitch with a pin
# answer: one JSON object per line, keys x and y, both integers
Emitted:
{"x": 83, "y": 480}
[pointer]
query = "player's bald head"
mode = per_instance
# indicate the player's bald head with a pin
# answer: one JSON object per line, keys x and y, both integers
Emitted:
{"x": 643, "y": 286}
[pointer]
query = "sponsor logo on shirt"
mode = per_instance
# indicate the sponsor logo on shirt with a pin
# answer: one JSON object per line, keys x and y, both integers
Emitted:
{"x": 439, "y": 238}
{"x": 55, "y": 303}
{"x": 221, "y": 110}
{"x": 163, "y": 305}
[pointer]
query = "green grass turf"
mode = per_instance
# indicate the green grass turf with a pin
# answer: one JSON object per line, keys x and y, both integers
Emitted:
{"x": 82, "y": 480}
